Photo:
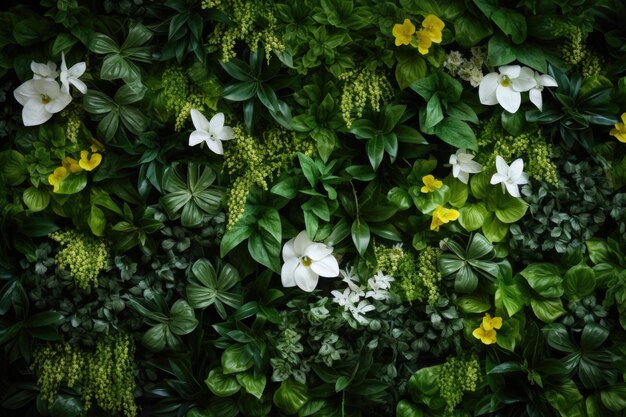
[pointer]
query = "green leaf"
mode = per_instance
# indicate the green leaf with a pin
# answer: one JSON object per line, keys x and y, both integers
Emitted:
{"x": 400, "y": 198}
{"x": 66, "y": 406}
{"x": 434, "y": 113}
{"x": 234, "y": 236}
{"x": 473, "y": 216}
{"x": 130, "y": 93}
{"x": 234, "y": 359}
{"x": 593, "y": 336}
{"x": 98, "y": 103}
{"x": 182, "y": 318}
{"x": 466, "y": 280}
{"x": 376, "y": 150}
{"x": 579, "y": 281}
{"x": 241, "y": 91}
{"x": 494, "y": 229}
{"x": 410, "y": 67}
{"x": 154, "y": 339}
{"x": 38, "y": 226}
{"x": 102, "y": 44}
{"x": 499, "y": 51}
{"x": 107, "y": 128}
{"x": 407, "y": 409}
{"x": 72, "y": 183}
{"x": 474, "y": 304}
{"x": 547, "y": 310}
{"x": 115, "y": 66}
{"x": 470, "y": 30}
{"x": 36, "y": 199}
{"x": 614, "y": 397}
{"x": 265, "y": 249}
{"x": 96, "y": 221}
{"x": 13, "y": 167}
{"x": 291, "y": 396}
{"x": 220, "y": 384}
{"x": 508, "y": 209}
{"x": 253, "y": 385}
{"x": 511, "y": 23}
{"x": 545, "y": 278}
{"x": 360, "y": 236}
{"x": 511, "y": 297}
{"x": 457, "y": 133}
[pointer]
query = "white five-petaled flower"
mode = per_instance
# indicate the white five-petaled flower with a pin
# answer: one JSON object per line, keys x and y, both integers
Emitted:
{"x": 510, "y": 176}
{"x": 463, "y": 165}
{"x": 71, "y": 76}
{"x": 213, "y": 132}
{"x": 40, "y": 71}
{"x": 541, "y": 80}
{"x": 305, "y": 261}
{"x": 41, "y": 98}
{"x": 346, "y": 299}
{"x": 363, "y": 307}
{"x": 506, "y": 88}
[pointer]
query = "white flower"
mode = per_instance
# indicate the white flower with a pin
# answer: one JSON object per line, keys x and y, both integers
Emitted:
{"x": 510, "y": 177}
{"x": 305, "y": 261}
{"x": 541, "y": 80}
{"x": 462, "y": 165}
{"x": 70, "y": 76}
{"x": 213, "y": 132}
{"x": 350, "y": 278}
{"x": 41, "y": 98}
{"x": 505, "y": 88}
{"x": 346, "y": 299}
{"x": 363, "y": 307}
{"x": 40, "y": 71}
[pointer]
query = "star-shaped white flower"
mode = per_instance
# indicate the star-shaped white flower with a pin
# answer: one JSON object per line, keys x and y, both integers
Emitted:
{"x": 305, "y": 261}
{"x": 505, "y": 88}
{"x": 71, "y": 76}
{"x": 362, "y": 308}
{"x": 346, "y": 299}
{"x": 542, "y": 80}
{"x": 40, "y": 71}
{"x": 213, "y": 132}
{"x": 510, "y": 177}
{"x": 41, "y": 98}
{"x": 463, "y": 165}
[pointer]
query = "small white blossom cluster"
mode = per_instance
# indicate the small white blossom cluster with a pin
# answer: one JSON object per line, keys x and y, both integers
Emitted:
{"x": 43, "y": 95}
{"x": 469, "y": 70}
{"x": 354, "y": 297}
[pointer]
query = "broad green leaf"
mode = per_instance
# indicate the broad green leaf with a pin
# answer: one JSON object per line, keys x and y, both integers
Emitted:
{"x": 474, "y": 304}
{"x": 241, "y": 91}
{"x": 154, "y": 339}
{"x": 220, "y": 384}
{"x": 407, "y": 409}
{"x": 579, "y": 281}
{"x": 469, "y": 30}
{"x": 434, "y": 113}
{"x": 72, "y": 183}
{"x": 499, "y": 51}
{"x": 253, "y": 385}
{"x": 360, "y": 235}
{"x": 265, "y": 249}
{"x": 98, "y": 103}
{"x": 593, "y": 336}
{"x": 182, "y": 318}
{"x": 36, "y": 199}
{"x": 547, "y": 310}
{"x": 511, "y": 23}
{"x": 494, "y": 229}
{"x": 511, "y": 297}
{"x": 234, "y": 359}
{"x": 614, "y": 397}
{"x": 234, "y": 236}
{"x": 508, "y": 209}
{"x": 545, "y": 278}
{"x": 473, "y": 216}
{"x": 457, "y": 133}
{"x": 410, "y": 66}
{"x": 291, "y": 396}
{"x": 376, "y": 150}
{"x": 96, "y": 221}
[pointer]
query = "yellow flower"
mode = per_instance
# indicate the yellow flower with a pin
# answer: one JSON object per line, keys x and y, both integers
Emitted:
{"x": 403, "y": 32}
{"x": 442, "y": 215}
{"x": 55, "y": 178}
{"x": 71, "y": 165}
{"x": 488, "y": 337}
{"x": 96, "y": 145}
{"x": 620, "y": 130}
{"x": 487, "y": 330}
{"x": 433, "y": 26}
{"x": 491, "y": 323}
{"x": 430, "y": 184}
{"x": 87, "y": 163}
{"x": 429, "y": 33}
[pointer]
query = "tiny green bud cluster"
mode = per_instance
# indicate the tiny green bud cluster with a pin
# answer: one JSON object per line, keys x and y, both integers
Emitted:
{"x": 84, "y": 256}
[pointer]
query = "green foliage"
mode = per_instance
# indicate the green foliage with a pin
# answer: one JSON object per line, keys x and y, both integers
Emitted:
{"x": 84, "y": 256}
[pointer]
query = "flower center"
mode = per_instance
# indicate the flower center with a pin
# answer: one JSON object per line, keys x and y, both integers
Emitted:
{"x": 45, "y": 99}
{"x": 505, "y": 81}
{"x": 306, "y": 261}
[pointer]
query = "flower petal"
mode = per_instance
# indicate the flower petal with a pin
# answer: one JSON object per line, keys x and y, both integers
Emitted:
{"x": 199, "y": 121}
{"x": 547, "y": 81}
{"x": 317, "y": 251}
{"x": 498, "y": 178}
{"x": 217, "y": 122}
{"x": 305, "y": 278}
{"x": 288, "y": 272}
{"x": 512, "y": 71}
{"x": 472, "y": 167}
{"x": 535, "y": 97}
{"x": 513, "y": 189}
{"x": 509, "y": 99}
{"x": 523, "y": 83}
{"x": 487, "y": 89}
{"x": 197, "y": 137}
{"x": 226, "y": 133}
{"x": 516, "y": 169}
{"x": 289, "y": 251}
{"x": 78, "y": 69}
{"x": 216, "y": 146}
{"x": 463, "y": 177}
{"x": 80, "y": 86}
{"x": 301, "y": 242}
{"x": 326, "y": 267}
{"x": 501, "y": 166}
{"x": 59, "y": 103}
{"x": 34, "y": 113}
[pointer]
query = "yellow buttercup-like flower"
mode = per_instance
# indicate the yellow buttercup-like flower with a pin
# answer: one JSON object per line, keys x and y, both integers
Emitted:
{"x": 71, "y": 165}
{"x": 488, "y": 337}
{"x": 620, "y": 130}
{"x": 487, "y": 330}
{"x": 89, "y": 163}
{"x": 491, "y": 323}
{"x": 431, "y": 32}
{"x": 430, "y": 184}
{"x": 55, "y": 178}
{"x": 441, "y": 216}
{"x": 403, "y": 32}
{"x": 96, "y": 145}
